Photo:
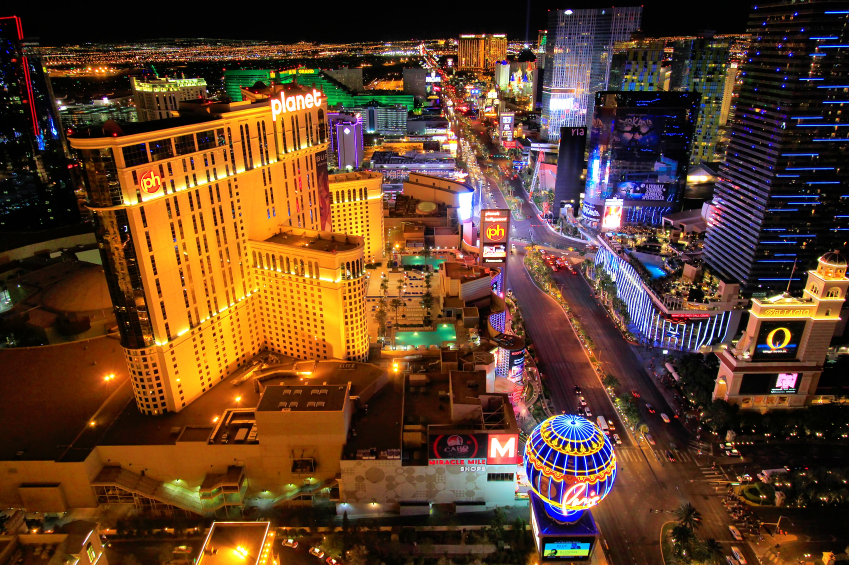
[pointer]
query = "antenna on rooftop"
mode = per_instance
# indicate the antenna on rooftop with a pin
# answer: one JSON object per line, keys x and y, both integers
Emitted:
{"x": 790, "y": 280}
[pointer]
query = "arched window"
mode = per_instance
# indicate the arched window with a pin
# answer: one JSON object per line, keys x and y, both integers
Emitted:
{"x": 274, "y": 262}
{"x": 302, "y": 267}
{"x": 288, "y": 267}
{"x": 834, "y": 293}
{"x": 261, "y": 266}
{"x": 267, "y": 261}
{"x": 349, "y": 195}
{"x": 361, "y": 195}
{"x": 254, "y": 255}
{"x": 827, "y": 313}
{"x": 309, "y": 266}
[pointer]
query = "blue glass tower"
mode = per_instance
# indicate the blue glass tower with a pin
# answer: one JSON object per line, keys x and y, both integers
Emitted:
{"x": 783, "y": 197}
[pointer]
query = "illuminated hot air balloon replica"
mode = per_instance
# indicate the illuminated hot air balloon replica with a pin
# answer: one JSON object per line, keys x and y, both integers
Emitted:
{"x": 570, "y": 465}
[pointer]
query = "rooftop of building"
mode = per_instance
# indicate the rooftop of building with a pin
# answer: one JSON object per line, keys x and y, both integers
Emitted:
{"x": 218, "y": 411}
{"x": 393, "y": 158}
{"x": 303, "y": 398}
{"x": 51, "y": 395}
{"x": 406, "y": 206}
{"x": 354, "y": 176}
{"x": 439, "y": 183}
{"x": 112, "y": 129}
{"x": 467, "y": 386}
{"x": 377, "y": 425}
{"x": 464, "y": 272}
{"x": 234, "y": 543}
{"x": 316, "y": 241}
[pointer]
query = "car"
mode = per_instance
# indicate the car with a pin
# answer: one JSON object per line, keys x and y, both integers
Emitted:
{"x": 649, "y": 408}
{"x": 665, "y": 418}
{"x": 290, "y": 543}
{"x": 736, "y": 533}
{"x": 587, "y": 412}
{"x": 650, "y": 439}
{"x": 332, "y": 561}
{"x": 731, "y": 561}
{"x": 317, "y": 552}
{"x": 580, "y": 410}
{"x": 738, "y": 555}
{"x": 635, "y": 393}
{"x": 583, "y": 401}
{"x": 577, "y": 389}
{"x": 617, "y": 439}
{"x": 732, "y": 453}
{"x": 670, "y": 456}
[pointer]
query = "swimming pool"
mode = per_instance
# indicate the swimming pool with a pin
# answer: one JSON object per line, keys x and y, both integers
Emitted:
{"x": 445, "y": 332}
{"x": 419, "y": 261}
{"x": 656, "y": 272}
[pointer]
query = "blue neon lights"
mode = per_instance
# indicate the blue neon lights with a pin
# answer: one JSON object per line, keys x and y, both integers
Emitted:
{"x": 800, "y": 154}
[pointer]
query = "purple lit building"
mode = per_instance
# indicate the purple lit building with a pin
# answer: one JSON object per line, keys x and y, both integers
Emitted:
{"x": 346, "y": 140}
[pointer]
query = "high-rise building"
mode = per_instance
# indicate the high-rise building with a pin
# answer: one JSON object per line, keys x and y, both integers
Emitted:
{"x": 415, "y": 81}
{"x": 639, "y": 150}
{"x": 637, "y": 65}
{"x": 578, "y": 51}
{"x": 701, "y": 65}
{"x": 569, "y": 182}
{"x": 357, "y": 209}
{"x": 214, "y": 235}
{"x": 346, "y": 140}
{"x": 159, "y": 98}
{"x": 781, "y": 201}
{"x": 480, "y": 52}
{"x": 36, "y": 189}
{"x": 384, "y": 119}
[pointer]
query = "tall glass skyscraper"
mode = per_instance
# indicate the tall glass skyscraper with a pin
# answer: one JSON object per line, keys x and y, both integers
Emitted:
{"x": 36, "y": 192}
{"x": 578, "y": 51}
{"x": 783, "y": 197}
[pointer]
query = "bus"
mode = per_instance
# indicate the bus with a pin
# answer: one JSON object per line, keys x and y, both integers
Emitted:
{"x": 602, "y": 423}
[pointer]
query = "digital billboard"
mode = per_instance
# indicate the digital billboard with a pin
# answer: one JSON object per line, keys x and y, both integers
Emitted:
{"x": 612, "y": 218}
{"x": 578, "y": 549}
{"x": 778, "y": 341}
{"x": 494, "y": 236}
{"x": 770, "y": 383}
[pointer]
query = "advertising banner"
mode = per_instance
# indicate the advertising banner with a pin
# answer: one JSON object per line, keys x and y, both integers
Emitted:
{"x": 612, "y": 214}
{"x": 645, "y": 191}
{"x": 778, "y": 341}
{"x": 494, "y": 236}
{"x": 770, "y": 383}
{"x": 473, "y": 449}
{"x": 574, "y": 550}
{"x": 323, "y": 181}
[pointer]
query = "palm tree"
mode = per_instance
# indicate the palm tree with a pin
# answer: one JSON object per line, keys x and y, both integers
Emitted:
{"x": 395, "y": 304}
{"x": 688, "y": 516}
{"x": 683, "y": 539}
{"x": 713, "y": 550}
{"x": 427, "y": 252}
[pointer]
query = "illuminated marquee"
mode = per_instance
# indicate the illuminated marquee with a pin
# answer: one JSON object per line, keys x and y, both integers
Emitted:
{"x": 150, "y": 182}
{"x": 778, "y": 312}
{"x": 294, "y": 103}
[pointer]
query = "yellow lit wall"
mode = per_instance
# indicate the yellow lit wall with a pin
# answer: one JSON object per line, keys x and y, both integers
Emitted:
{"x": 357, "y": 209}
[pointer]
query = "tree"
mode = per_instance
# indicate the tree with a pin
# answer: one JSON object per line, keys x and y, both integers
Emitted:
{"x": 427, "y": 252}
{"x": 359, "y": 555}
{"x": 688, "y": 516}
{"x": 400, "y": 286}
{"x": 713, "y": 551}
{"x": 346, "y": 523}
{"x": 395, "y": 304}
{"x": 380, "y": 316}
{"x": 683, "y": 539}
{"x": 720, "y": 415}
{"x": 610, "y": 382}
{"x": 426, "y": 304}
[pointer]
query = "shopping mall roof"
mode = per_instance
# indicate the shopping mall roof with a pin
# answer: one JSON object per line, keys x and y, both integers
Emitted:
{"x": 303, "y": 398}
{"x": 51, "y": 395}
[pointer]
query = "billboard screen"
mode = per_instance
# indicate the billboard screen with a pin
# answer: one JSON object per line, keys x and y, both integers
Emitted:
{"x": 323, "y": 182}
{"x": 490, "y": 251}
{"x": 473, "y": 449}
{"x": 494, "y": 236}
{"x": 633, "y": 190}
{"x": 770, "y": 383}
{"x": 577, "y": 549}
{"x": 612, "y": 218}
{"x": 778, "y": 341}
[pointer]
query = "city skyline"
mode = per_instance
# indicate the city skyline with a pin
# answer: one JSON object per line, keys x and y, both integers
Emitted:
{"x": 74, "y": 27}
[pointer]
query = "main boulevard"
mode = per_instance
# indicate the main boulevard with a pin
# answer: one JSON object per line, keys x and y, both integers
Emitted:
{"x": 646, "y": 479}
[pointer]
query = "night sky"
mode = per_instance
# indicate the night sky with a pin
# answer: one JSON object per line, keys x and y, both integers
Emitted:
{"x": 56, "y": 22}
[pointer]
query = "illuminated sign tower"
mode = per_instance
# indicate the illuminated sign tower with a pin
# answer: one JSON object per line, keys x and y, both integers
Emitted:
{"x": 571, "y": 467}
{"x": 778, "y": 361}
{"x": 494, "y": 242}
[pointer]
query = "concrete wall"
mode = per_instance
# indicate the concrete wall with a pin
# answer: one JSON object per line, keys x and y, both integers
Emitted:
{"x": 52, "y": 245}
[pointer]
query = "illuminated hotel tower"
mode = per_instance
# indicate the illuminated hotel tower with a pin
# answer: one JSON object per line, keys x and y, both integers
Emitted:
{"x": 210, "y": 230}
{"x": 783, "y": 195}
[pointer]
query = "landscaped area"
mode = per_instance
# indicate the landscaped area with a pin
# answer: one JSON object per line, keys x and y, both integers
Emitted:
{"x": 443, "y": 333}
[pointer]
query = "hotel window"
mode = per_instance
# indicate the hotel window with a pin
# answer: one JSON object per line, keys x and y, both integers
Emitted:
{"x": 135, "y": 155}
{"x": 161, "y": 149}
{"x": 206, "y": 140}
{"x": 184, "y": 144}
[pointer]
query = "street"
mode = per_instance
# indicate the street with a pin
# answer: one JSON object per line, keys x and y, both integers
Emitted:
{"x": 646, "y": 480}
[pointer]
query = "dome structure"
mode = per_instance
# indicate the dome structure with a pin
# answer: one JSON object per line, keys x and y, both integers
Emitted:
{"x": 570, "y": 464}
{"x": 84, "y": 291}
{"x": 834, "y": 259}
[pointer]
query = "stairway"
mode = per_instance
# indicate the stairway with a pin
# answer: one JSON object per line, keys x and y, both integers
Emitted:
{"x": 142, "y": 485}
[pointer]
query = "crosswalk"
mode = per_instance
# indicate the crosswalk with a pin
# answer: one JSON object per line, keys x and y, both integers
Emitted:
{"x": 632, "y": 454}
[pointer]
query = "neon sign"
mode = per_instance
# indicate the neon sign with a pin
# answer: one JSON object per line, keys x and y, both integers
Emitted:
{"x": 294, "y": 103}
{"x": 495, "y": 232}
{"x": 150, "y": 182}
